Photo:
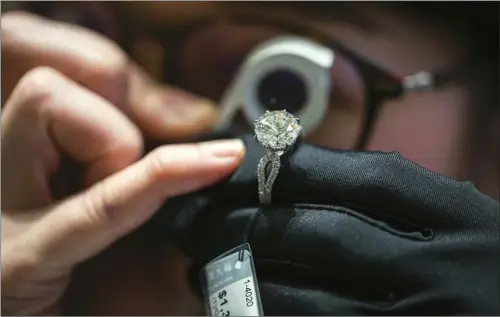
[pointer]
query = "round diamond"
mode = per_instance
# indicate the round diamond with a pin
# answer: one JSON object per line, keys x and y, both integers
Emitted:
{"x": 277, "y": 130}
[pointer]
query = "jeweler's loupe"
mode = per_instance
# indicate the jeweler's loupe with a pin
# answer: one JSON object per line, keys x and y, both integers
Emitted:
{"x": 287, "y": 72}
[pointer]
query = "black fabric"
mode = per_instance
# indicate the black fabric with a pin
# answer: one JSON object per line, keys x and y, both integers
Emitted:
{"x": 350, "y": 233}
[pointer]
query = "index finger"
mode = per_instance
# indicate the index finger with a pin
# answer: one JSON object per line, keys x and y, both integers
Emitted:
{"x": 100, "y": 65}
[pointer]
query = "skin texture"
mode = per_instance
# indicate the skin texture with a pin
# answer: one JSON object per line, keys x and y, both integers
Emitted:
{"x": 82, "y": 70}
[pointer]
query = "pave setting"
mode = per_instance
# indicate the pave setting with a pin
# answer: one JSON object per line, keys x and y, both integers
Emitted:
{"x": 276, "y": 131}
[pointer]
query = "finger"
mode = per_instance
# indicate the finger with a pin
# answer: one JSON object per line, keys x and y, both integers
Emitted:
{"x": 99, "y": 64}
{"x": 49, "y": 116}
{"x": 86, "y": 224}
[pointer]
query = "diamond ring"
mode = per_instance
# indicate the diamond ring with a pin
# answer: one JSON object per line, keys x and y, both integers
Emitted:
{"x": 277, "y": 132}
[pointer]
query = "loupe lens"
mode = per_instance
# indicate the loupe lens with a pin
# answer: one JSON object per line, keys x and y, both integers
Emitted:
{"x": 282, "y": 89}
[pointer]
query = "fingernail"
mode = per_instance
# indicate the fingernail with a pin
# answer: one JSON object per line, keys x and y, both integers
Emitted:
{"x": 225, "y": 148}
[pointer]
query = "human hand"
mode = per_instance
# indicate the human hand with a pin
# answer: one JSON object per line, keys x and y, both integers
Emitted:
{"x": 73, "y": 95}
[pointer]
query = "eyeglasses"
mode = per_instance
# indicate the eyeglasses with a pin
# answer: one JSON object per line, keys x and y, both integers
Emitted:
{"x": 203, "y": 58}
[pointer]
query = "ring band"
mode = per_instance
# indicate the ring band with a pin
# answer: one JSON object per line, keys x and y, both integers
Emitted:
{"x": 266, "y": 185}
{"x": 277, "y": 132}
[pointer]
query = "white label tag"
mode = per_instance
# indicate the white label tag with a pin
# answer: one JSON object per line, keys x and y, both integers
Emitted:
{"x": 231, "y": 287}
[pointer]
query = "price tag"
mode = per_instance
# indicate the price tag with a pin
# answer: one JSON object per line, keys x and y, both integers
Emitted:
{"x": 231, "y": 287}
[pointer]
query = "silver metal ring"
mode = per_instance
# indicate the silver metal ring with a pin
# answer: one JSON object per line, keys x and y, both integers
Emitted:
{"x": 277, "y": 132}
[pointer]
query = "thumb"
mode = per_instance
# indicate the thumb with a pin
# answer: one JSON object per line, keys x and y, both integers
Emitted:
{"x": 83, "y": 225}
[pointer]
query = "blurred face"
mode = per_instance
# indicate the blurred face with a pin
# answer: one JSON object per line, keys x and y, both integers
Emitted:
{"x": 426, "y": 127}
